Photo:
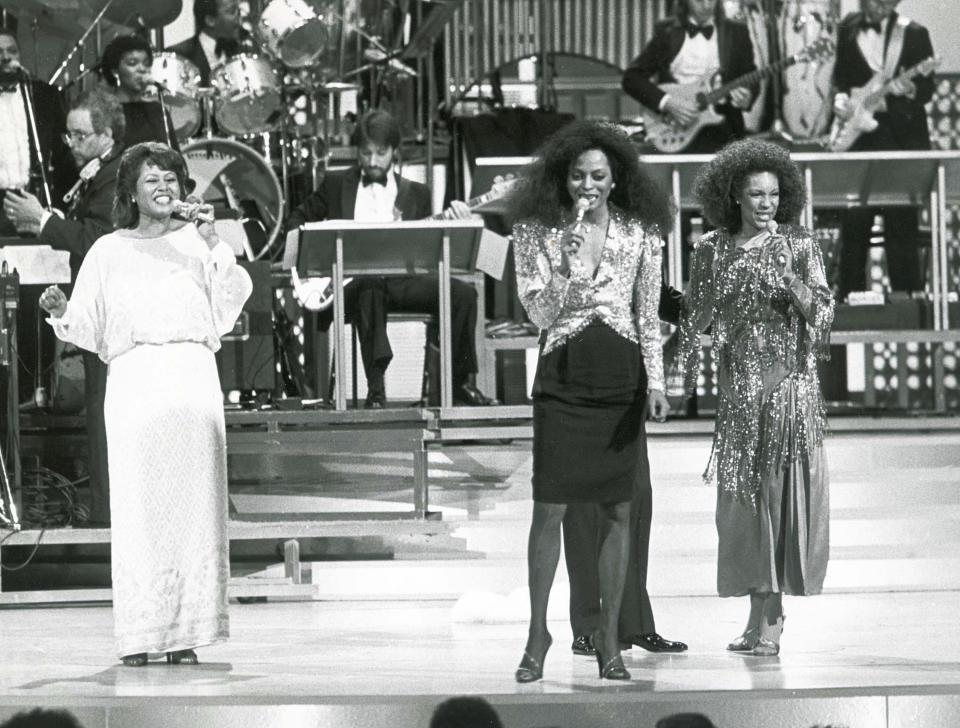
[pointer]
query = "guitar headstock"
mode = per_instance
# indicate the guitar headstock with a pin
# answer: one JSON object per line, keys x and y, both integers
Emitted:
{"x": 928, "y": 66}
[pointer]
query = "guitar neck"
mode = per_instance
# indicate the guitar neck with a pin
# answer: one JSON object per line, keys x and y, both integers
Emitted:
{"x": 904, "y": 75}
{"x": 474, "y": 202}
{"x": 747, "y": 79}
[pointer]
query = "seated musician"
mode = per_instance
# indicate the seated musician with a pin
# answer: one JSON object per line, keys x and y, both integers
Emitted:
{"x": 375, "y": 192}
{"x": 696, "y": 41}
{"x": 216, "y": 36}
{"x": 19, "y": 167}
{"x": 95, "y": 126}
{"x": 870, "y": 41}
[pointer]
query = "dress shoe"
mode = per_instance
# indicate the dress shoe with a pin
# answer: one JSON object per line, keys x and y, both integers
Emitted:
{"x": 182, "y": 657}
{"x": 609, "y": 669}
{"x": 137, "y": 660}
{"x": 652, "y": 642}
{"x": 376, "y": 400}
{"x": 468, "y": 395}
{"x": 583, "y": 646}
{"x": 531, "y": 669}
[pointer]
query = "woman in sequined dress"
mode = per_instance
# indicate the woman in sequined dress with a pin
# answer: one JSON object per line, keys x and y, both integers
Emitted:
{"x": 587, "y": 249}
{"x": 758, "y": 282}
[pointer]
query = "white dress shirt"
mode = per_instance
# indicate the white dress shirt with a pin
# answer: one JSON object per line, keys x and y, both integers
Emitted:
{"x": 377, "y": 202}
{"x": 14, "y": 141}
{"x": 209, "y": 45}
{"x": 872, "y": 45}
{"x": 697, "y": 57}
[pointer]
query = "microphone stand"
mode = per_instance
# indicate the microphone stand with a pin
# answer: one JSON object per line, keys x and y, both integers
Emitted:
{"x": 26, "y": 88}
{"x": 163, "y": 111}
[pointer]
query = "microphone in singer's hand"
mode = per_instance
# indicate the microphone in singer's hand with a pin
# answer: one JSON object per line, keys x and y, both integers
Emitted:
{"x": 772, "y": 229}
{"x": 186, "y": 210}
{"x": 582, "y": 204}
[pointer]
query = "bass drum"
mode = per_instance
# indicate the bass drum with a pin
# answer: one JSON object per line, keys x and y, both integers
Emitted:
{"x": 240, "y": 184}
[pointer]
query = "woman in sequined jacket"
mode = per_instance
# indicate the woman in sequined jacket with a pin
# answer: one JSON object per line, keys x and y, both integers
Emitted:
{"x": 758, "y": 282}
{"x": 587, "y": 248}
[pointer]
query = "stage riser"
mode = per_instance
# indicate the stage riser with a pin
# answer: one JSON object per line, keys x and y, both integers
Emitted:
{"x": 607, "y": 707}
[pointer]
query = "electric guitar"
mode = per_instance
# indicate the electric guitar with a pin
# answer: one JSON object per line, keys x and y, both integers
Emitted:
{"x": 316, "y": 294}
{"x": 669, "y": 136}
{"x": 865, "y": 102}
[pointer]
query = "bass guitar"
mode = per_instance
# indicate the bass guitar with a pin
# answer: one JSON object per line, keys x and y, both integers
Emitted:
{"x": 865, "y": 102}
{"x": 669, "y": 136}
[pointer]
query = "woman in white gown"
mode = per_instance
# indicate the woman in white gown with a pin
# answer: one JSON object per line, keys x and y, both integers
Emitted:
{"x": 152, "y": 300}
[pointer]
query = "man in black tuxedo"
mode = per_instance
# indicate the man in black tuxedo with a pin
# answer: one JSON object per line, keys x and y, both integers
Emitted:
{"x": 375, "y": 192}
{"x": 95, "y": 127}
{"x": 581, "y": 546}
{"x": 696, "y": 40}
{"x": 19, "y": 164}
{"x": 216, "y": 36}
{"x": 870, "y": 41}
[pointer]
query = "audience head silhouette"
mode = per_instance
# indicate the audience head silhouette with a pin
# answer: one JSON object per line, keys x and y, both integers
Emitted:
{"x": 465, "y": 712}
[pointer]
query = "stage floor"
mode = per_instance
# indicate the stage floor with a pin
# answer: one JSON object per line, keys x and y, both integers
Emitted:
{"x": 385, "y": 641}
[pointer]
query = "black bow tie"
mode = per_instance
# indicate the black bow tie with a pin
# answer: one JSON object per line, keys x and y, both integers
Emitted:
{"x": 366, "y": 181}
{"x": 226, "y": 47}
{"x": 693, "y": 29}
{"x": 867, "y": 25}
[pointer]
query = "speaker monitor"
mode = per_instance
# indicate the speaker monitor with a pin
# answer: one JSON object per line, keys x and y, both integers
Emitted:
{"x": 246, "y": 360}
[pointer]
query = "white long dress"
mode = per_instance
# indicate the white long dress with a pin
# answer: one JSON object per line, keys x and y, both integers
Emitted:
{"x": 154, "y": 309}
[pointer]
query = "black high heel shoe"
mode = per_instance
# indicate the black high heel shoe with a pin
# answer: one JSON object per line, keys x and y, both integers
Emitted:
{"x": 612, "y": 669}
{"x": 137, "y": 660}
{"x": 182, "y": 657}
{"x": 531, "y": 669}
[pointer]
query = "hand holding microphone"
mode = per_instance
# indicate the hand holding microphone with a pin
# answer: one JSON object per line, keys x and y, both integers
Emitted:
{"x": 572, "y": 237}
{"x": 783, "y": 259}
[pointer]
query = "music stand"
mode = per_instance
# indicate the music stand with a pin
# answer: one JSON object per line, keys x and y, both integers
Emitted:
{"x": 343, "y": 248}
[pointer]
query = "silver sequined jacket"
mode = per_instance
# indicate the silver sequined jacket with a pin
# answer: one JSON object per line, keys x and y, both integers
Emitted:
{"x": 766, "y": 339}
{"x": 624, "y": 293}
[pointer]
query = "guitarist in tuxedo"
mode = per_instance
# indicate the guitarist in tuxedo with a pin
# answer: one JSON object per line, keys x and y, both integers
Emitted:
{"x": 216, "y": 36}
{"x": 696, "y": 40}
{"x": 373, "y": 191}
{"x": 864, "y": 42}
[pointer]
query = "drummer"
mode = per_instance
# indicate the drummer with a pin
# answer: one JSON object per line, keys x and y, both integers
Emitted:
{"x": 216, "y": 36}
{"x": 125, "y": 70}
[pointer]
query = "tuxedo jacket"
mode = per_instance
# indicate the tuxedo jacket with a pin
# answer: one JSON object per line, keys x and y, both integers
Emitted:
{"x": 51, "y": 125}
{"x": 652, "y": 66}
{"x": 904, "y": 124}
{"x": 337, "y": 195}
{"x": 87, "y": 220}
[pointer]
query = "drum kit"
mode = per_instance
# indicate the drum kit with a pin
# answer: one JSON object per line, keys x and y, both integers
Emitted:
{"x": 299, "y": 50}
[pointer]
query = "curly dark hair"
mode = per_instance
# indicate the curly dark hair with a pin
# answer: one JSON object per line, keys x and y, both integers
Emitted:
{"x": 126, "y": 214}
{"x": 719, "y": 182}
{"x": 114, "y": 52}
{"x": 543, "y": 196}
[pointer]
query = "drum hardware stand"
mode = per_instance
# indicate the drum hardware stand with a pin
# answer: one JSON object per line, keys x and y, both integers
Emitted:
{"x": 206, "y": 114}
{"x": 9, "y": 298}
{"x": 95, "y": 23}
{"x": 778, "y": 128}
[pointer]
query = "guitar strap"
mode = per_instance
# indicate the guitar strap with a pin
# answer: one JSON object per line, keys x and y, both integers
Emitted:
{"x": 894, "y": 47}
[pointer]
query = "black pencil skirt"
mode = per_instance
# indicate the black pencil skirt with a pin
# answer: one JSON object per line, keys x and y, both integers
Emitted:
{"x": 588, "y": 401}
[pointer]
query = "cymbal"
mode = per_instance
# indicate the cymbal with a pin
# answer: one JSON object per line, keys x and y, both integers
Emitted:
{"x": 152, "y": 13}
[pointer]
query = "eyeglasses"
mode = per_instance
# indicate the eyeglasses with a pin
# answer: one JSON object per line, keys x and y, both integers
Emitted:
{"x": 76, "y": 137}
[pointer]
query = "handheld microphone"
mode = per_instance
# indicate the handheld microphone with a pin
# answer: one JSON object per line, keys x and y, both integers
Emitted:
{"x": 582, "y": 204}
{"x": 186, "y": 210}
{"x": 772, "y": 229}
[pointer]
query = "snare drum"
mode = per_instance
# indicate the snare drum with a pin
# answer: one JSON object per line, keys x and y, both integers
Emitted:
{"x": 294, "y": 31}
{"x": 232, "y": 176}
{"x": 250, "y": 95}
{"x": 180, "y": 78}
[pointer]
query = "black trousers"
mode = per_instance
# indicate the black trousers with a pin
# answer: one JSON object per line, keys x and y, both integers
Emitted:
{"x": 581, "y": 546}
{"x": 367, "y": 301}
{"x": 899, "y": 241}
{"x": 95, "y": 389}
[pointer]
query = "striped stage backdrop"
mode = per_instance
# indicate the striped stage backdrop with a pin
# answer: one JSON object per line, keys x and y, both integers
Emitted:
{"x": 485, "y": 34}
